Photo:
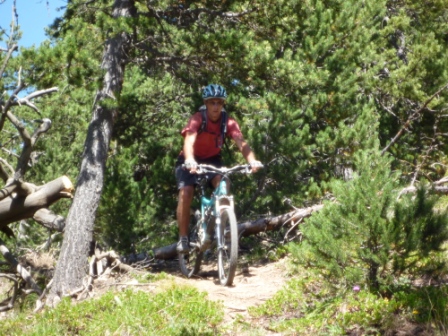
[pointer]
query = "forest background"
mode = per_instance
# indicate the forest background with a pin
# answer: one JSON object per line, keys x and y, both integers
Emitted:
{"x": 325, "y": 92}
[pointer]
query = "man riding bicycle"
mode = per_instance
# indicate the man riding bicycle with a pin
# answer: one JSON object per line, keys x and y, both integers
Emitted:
{"x": 204, "y": 136}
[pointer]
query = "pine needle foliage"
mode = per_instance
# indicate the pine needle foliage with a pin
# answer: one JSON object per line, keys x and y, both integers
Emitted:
{"x": 299, "y": 74}
{"x": 367, "y": 235}
{"x": 420, "y": 231}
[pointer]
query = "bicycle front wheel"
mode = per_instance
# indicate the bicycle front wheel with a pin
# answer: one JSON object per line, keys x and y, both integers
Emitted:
{"x": 227, "y": 247}
{"x": 190, "y": 262}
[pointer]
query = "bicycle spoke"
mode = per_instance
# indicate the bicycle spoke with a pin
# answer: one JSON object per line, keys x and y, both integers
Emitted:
{"x": 190, "y": 263}
{"x": 227, "y": 247}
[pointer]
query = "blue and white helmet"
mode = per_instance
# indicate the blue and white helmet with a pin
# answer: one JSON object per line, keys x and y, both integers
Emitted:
{"x": 214, "y": 91}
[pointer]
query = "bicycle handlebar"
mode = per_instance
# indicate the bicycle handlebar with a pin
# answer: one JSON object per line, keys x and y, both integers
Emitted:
{"x": 205, "y": 168}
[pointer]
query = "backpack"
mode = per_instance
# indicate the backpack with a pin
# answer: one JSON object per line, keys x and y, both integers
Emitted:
{"x": 224, "y": 117}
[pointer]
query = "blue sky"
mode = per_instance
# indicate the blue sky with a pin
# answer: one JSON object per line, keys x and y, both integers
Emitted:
{"x": 34, "y": 16}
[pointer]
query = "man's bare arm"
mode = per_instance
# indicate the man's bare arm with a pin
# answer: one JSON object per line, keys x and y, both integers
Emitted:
{"x": 247, "y": 152}
{"x": 189, "y": 140}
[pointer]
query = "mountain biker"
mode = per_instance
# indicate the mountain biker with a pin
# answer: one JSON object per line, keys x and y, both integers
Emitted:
{"x": 204, "y": 146}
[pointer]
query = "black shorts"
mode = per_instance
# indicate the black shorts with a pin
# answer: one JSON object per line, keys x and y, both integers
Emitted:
{"x": 185, "y": 178}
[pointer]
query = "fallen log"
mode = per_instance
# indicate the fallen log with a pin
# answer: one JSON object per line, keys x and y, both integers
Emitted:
{"x": 275, "y": 223}
{"x": 250, "y": 228}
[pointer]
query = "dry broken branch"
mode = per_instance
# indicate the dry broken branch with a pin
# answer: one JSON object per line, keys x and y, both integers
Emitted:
{"x": 27, "y": 100}
{"x": 21, "y": 271}
{"x": 49, "y": 219}
{"x": 10, "y": 50}
{"x": 29, "y": 144}
{"x": 113, "y": 259}
{"x": 436, "y": 187}
{"x": 411, "y": 118}
{"x": 13, "y": 209}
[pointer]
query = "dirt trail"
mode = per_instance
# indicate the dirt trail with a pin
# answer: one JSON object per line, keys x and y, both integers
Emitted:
{"x": 252, "y": 286}
{"x": 254, "y": 283}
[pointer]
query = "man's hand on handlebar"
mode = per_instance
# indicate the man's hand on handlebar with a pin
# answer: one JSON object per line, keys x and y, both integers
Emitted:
{"x": 255, "y": 165}
{"x": 191, "y": 165}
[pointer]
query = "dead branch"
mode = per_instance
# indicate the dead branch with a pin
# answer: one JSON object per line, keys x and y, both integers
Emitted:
{"x": 39, "y": 303}
{"x": 12, "y": 299}
{"x": 436, "y": 187}
{"x": 13, "y": 209}
{"x": 3, "y": 174}
{"x": 19, "y": 268}
{"x": 27, "y": 100}
{"x": 46, "y": 246}
{"x": 113, "y": 259}
{"x": 96, "y": 269}
{"x": 294, "y": 225}
{"x": 18, "y": 188}
{"x": 49, "y": 219}
{"x": 10, "y": 101}
{"x": 411, "y": 118}
{"x": 29, "y": 143}
{"x": 11, "y": 49}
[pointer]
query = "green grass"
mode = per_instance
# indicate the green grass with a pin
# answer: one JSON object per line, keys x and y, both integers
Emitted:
{"x": 311, "y": 305}
{"x": 179, "y": 310}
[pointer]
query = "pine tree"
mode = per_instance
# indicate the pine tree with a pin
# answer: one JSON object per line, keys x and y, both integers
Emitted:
{"x": 420, "y": 230}
{"x": 299, "y": 74}
{"x": 366, "y": 234}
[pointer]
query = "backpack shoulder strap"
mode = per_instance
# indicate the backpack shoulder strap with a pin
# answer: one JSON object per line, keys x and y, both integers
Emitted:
{"x": 224, "y": 119}
{"x": 203, "y": 111}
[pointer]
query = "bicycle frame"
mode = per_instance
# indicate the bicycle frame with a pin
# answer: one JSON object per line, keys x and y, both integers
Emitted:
{"x": 211, "y": 206}
{"x": 217, "y": 221}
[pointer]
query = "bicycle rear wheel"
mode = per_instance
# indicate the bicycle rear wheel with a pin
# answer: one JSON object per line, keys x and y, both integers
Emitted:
{"x": 227, "y": 247}
{"x": 190, "y": 263}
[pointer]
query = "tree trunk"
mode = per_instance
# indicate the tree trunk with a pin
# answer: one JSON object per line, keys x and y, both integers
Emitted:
{"x": 72, "y": 265}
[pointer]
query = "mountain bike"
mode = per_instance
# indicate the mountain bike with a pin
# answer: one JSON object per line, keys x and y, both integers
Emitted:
{"x": 215, "y": 223}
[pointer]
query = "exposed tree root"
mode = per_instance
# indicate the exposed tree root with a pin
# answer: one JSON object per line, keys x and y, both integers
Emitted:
{"x": 101, "y": 264}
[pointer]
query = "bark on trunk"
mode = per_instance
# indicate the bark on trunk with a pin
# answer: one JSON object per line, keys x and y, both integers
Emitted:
{"x": 249, "y": 228}
{"x": 72, "y": 265}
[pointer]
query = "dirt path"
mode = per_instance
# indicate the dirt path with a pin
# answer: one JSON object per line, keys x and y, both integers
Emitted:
{"x": 253, "y": 285}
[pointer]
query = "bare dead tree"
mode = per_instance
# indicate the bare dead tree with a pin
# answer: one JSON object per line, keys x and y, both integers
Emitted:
{"x": 19, "y": 199}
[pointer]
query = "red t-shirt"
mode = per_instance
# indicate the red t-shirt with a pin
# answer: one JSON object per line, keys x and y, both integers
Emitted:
{"x": 207, "y": 142}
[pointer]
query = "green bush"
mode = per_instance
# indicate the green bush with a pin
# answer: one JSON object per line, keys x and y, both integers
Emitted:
{"x": 369, "y": 235}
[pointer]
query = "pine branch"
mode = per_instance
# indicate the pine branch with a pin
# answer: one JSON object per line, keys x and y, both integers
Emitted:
{"x": 411, "y": 118}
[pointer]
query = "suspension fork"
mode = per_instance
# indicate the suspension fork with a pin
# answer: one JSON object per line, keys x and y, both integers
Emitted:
{"x": 221, "y": 200}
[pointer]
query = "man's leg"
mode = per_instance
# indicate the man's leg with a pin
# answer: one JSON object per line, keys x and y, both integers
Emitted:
{"x": 215, "y": 181}
{"x": 183, "y": 216}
